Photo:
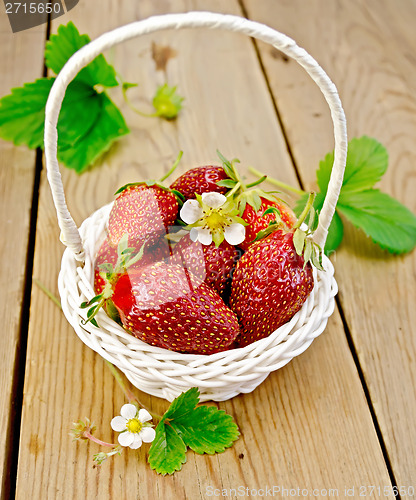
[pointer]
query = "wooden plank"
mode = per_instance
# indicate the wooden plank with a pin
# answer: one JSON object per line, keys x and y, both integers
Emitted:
{"x": 21, "y": 59}
{"x": 311, "y": 413}
{"x": 367, "y": 47}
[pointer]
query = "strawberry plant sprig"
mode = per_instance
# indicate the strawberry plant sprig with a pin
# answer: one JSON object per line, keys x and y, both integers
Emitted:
{"x": 382, "y": 218}
{"x": 89, "y": 122}
{"x": 166, "y": 102}
{"x": 203, "y": 429}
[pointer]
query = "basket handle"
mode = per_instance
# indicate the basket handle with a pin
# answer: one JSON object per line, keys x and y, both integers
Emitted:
{"x": 69, "y": 232}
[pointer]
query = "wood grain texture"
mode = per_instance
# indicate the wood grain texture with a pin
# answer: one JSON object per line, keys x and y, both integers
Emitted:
{"x": 17, "y": 169}
{"x": 308, "y": 424}
{"x": 368, "y": 49}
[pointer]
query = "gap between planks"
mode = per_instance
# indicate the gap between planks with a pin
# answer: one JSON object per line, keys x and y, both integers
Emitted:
{"x": 13, "y": 431}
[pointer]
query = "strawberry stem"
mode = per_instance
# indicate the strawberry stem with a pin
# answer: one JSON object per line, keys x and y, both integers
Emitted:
{"x": 237, "y": 175}
{"x": 48, "y": 293}
{"x": 305, "y": 211}
{"x": 275, "y": 182}
{"x": 172, "y": 169}
{"x": 86, "y": 434}
{"x": 129, "y": 395}
{"x": 234, "y": 190}
{"x": 257, "y": 182}
{"x": 133, "y": 108}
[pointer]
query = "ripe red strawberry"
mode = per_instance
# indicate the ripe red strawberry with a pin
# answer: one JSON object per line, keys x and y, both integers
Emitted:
{"x": 200, "y": 180}
{"x": 143, "y": 212}
{"x": 256, "y": 221}
{"x": 108, "y": 255}
{"x": 166, "y": 306}
{"x": 270, "y": 284}
{"x": 211, "y": 264}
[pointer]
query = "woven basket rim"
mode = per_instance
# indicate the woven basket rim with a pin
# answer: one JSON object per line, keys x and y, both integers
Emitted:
{"x": 85, "y": 284}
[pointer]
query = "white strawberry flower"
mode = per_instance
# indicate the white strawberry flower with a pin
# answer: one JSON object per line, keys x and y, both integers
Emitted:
{"x": 212, "y": 217}
{"x": 133, "y": 426}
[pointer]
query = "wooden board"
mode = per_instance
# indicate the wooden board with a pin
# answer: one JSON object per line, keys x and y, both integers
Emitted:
{"x": 366, "y": 47}
{"x": 308, "y": 415}
{"x": 17, "y": 172}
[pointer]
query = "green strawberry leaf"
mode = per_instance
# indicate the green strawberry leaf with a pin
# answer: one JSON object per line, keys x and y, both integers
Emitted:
{"x": 108, "y": 127}
{"x": 386, "y": 221}
{"x": 228, "y": 183}
{"x": 335, "y": 234}
{"x": 183, "y": 404}
{"x": 367, "y": 161}
{"x": 66, "y": 42}
{"x": 167, "y": 102}
{"x": 22, "y": 113}
{"x": 168, "y": 451}
{"x": 80, "y": 110}
{"x": 299, "y": 238}
{"x": 204, "y": 429}
{"x": 227, "y": 166}
{"x": 207, "y": 430}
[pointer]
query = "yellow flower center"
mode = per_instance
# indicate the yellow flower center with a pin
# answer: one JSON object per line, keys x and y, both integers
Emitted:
{"x": 134, "y": 425}
{"x": 214, "y": 220}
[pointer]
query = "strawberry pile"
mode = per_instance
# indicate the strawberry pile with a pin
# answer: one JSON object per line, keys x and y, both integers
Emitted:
{"x": 204, "y": 265}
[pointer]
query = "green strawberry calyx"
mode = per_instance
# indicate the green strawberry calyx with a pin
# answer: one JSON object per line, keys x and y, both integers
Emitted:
{"x": 302, "y": 238}
{"x": 244, "y": 193}
{"x": 126, "y": 257}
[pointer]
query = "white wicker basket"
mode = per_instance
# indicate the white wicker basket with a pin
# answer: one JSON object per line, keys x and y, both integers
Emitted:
{"x": 154, "y": 370}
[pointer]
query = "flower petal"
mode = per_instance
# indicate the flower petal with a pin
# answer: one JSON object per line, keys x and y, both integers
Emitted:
{"x": 126, "y": 438}
{"x": 204, "y": 236}
{"x": 144, "y": 415}
{"x": 128, "y": 411}
{"x": 118, "y": 424}
{"x": 191, "y": 211}
{"x": 147, "y": 434}
{"x": 213, "y": 199}
{"x": 235, "y": 233}
{"x": 137, "y": 442}
{"x": 194, "y": 234}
